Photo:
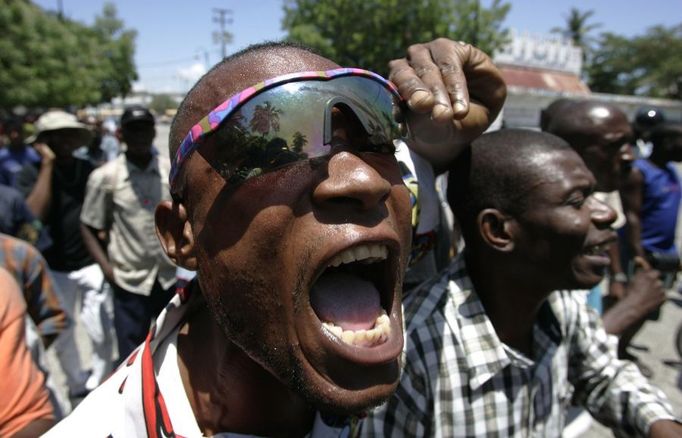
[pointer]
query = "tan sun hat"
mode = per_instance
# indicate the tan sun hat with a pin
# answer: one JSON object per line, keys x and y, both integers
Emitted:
{"x": 55, "y": 120}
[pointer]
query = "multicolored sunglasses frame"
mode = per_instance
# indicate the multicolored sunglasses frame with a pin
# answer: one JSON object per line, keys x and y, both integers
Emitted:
{"x": 222, "y": 112}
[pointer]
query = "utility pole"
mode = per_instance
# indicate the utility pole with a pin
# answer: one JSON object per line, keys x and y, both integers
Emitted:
{"x": 222, "y": 37}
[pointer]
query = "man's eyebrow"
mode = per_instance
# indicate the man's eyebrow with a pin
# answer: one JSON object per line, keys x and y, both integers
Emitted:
{"x": 584, "y": 185}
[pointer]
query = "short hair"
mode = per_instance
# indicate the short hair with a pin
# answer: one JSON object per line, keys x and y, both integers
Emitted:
{"x": 664, "y": 131}
{"x": 548, "y": 114}
{"x": 182, "y": 122}
{"x": 572, "y": 120}
{"x": 495, "y": 171}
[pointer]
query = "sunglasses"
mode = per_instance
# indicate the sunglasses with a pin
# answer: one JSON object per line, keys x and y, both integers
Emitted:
{"x": 290, "y": 118}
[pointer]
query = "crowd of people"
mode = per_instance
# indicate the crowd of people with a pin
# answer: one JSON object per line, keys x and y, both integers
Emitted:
{"x": 368, "y": 261}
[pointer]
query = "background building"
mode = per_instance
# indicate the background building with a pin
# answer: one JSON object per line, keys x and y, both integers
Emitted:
{"x": 541, "y": 69}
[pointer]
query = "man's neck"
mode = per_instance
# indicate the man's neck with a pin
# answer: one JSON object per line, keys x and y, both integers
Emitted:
{"x": 511, "y": 304}
{"x": 228, "y": 391}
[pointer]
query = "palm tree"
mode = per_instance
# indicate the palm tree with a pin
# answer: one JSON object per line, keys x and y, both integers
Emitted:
{"x": 265, "y": 118}
{"x": 578, "y": 29}
{"x": 298, "y": 141}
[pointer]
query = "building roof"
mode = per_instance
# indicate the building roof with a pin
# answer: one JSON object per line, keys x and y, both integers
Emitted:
{"x": 538, "y": 79}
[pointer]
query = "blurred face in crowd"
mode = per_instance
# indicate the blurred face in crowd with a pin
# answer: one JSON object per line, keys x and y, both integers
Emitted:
{"x": 604, "y": 145}
{"x": 601, "y": 134}
{"x": 302, "y": 266}
{"x": 63, "y": 141}
{"x": 15, "y": 134}
{"x": 138, "y": 136}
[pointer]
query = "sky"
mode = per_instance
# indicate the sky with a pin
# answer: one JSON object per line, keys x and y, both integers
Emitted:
{"x": 175, "y": 38}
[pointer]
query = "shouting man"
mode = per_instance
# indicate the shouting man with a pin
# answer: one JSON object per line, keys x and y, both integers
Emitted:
{"x": 289, "y": 202}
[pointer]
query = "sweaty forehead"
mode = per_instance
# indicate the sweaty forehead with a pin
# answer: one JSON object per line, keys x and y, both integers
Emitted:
{"x": 237, "y": 74}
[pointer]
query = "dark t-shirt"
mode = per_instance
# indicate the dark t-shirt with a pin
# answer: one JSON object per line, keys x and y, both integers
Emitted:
{"x": 68, "y": 252}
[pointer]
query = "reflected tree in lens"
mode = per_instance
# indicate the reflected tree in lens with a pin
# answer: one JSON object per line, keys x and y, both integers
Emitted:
{"x": 298, "y": 141}
{"x": 265, "y": 119}
{"x": 277, "y": 153}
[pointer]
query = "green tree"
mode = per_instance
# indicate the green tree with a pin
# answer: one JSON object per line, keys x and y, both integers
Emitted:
{"x": 579, "y": 30}
{"x": 117, "y": 48}
{"x": 370, "y": 33}
{"x": 609, "y": 62}
{"x": 648, "y": 64}
{"x": 46, "y": 61}
{"x": 29, "y": 55}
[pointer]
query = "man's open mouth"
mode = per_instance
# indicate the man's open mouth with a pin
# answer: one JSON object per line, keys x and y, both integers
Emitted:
{"x": 599, "y": 249}
{"x": 351, "y": 296}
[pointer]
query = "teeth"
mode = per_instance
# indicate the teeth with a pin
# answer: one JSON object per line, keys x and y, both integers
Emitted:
{"x": 348, "y": 256}
{"x": 363, "y": 338}
{"x": 363, "y": 253}
{"x": 338, "y": 331}
{"x": 348, "y": 336}
{"x": 371, "y": 336}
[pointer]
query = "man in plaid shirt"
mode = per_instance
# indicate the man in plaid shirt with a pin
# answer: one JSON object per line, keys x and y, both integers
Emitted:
{"x": 498, "y": 346}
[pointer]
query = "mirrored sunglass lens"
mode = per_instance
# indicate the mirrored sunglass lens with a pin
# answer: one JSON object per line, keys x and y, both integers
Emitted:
{"x": 292, "y": 122}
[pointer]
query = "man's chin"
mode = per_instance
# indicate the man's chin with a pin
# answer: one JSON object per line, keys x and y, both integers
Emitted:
{"x": 587, "y": 281}
{"x": 346, "y": 403}
{"x": 333, "y": 398}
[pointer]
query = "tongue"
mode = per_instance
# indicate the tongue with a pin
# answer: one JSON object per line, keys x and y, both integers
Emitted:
{"x": 346, "y": 300}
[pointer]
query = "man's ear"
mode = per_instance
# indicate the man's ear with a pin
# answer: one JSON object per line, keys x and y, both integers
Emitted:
{"x": 496, "y": 229}
{"x": 175, "y": 233}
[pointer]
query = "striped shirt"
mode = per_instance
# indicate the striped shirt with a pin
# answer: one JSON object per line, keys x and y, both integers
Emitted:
{"x": 30, "y": 270}
{"x": 460, "y": 380}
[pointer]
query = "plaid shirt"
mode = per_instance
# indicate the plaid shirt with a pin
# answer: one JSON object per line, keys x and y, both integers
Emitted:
{"x": 30, "y": 269}
{"x": 460, "y": 380}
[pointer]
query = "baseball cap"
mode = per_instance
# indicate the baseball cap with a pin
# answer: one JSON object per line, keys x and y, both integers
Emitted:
{"x": 649, "y": 117}
{"x": 55, "y": 120}
{"x": 136, "y": 114}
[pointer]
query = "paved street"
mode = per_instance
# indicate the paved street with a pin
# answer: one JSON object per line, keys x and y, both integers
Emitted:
{"x": 161, "y": 141}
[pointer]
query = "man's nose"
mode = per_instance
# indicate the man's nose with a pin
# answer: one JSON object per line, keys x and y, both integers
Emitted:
{"x": 351, "y": 180}
{"x": 602, "y": 214}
